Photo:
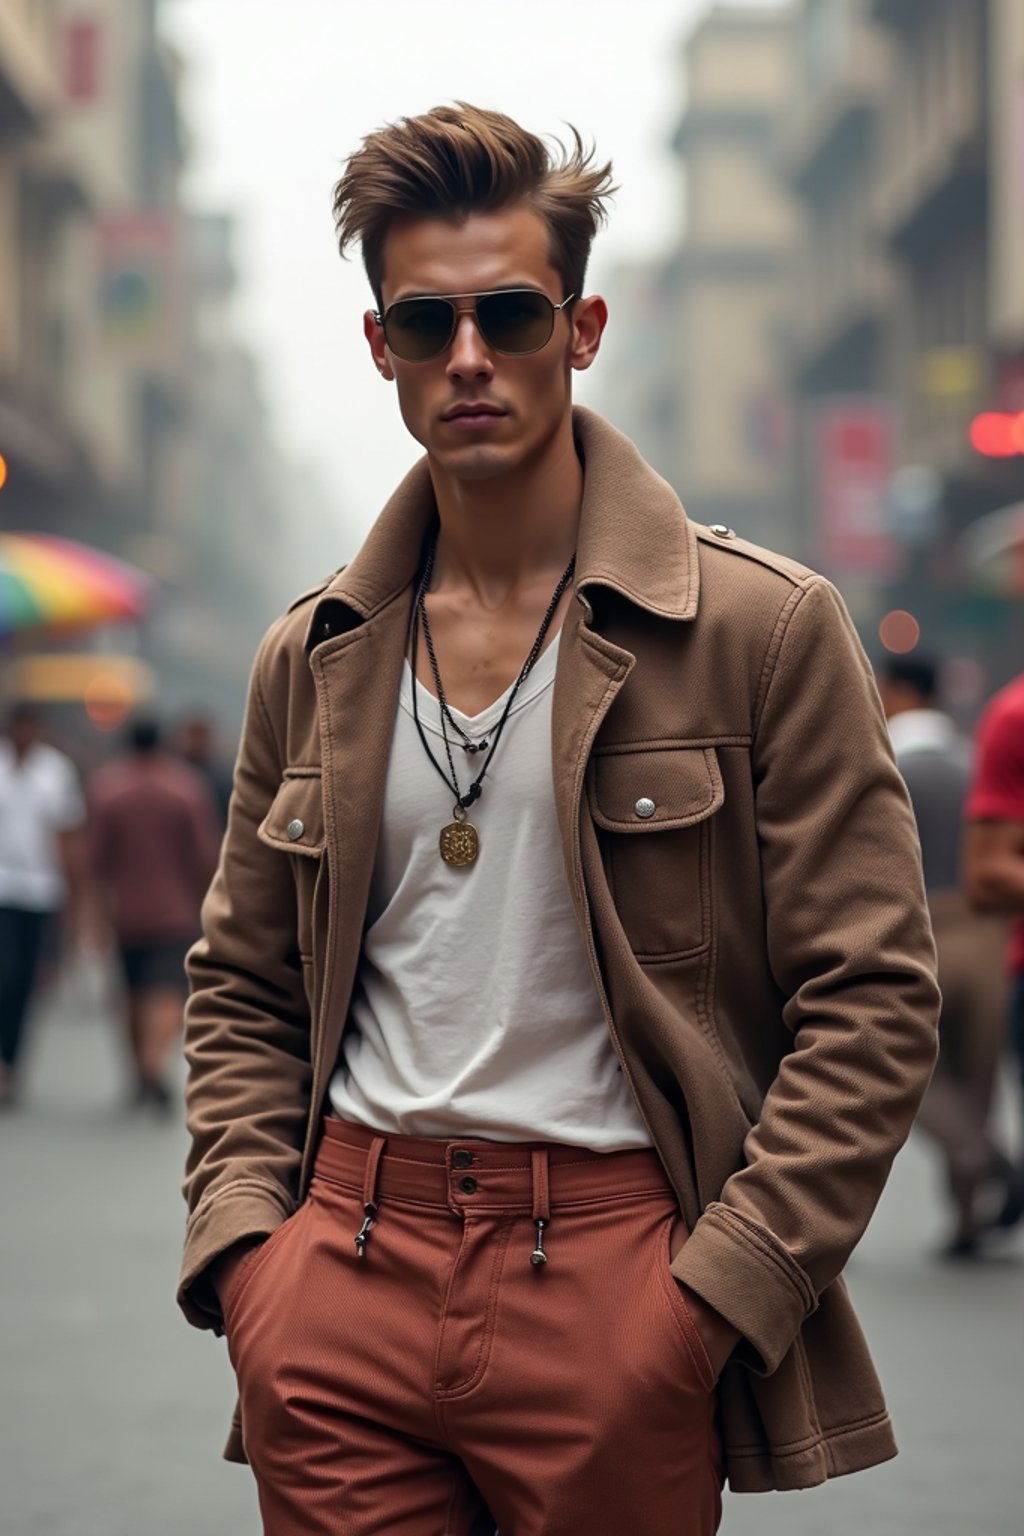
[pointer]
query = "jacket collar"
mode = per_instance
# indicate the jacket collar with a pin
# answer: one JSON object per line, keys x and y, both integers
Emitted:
{"x": 635, "y": 537}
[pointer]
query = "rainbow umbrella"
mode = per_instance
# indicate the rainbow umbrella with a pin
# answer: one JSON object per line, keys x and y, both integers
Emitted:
{"x": 52, "y": 583}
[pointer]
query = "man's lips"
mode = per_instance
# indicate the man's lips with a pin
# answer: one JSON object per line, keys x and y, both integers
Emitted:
{"x": 472, "y": 410}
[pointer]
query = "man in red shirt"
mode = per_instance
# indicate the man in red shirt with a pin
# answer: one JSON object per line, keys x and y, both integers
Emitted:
{"x": 155, "y": 837}
{"x": 994, "y": 855}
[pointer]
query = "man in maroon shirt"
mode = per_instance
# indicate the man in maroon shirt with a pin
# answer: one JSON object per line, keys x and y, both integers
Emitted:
{"x": 155, "y": 837}
{"x": 994, "y": 856}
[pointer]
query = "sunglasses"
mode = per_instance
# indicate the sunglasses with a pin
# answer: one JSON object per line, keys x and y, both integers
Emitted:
{"x": 512, "y": 320}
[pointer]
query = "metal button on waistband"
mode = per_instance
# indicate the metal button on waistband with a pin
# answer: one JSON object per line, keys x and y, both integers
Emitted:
{"x": 295, "y": 829}
{"x": 461, "y": 1158}
{"x": 720, "y": 531}
{"x": 645, "y": 807}
{"x": 468, "y": 1186}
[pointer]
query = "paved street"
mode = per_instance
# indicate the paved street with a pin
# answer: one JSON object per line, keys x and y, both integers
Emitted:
{"x": 112, "y": 1410}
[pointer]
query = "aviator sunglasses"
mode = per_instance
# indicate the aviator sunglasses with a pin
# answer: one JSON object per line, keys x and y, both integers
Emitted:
{"x": 511, "y": 320}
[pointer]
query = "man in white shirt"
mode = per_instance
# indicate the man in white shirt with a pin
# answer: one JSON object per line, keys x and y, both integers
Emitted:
{"x": 42, "y": 816}
{"x": 934, "y": 760}
{"x": 566, "y": 980}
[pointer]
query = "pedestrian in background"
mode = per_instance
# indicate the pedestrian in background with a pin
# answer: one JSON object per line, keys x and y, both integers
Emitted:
{"x": 994, "y": 865}
{"x": 934, "y": 759}
{"x": 197, "y": 745}
{"x": 42, "y": 818}
{"x": 567, "y": 984}
{"x": 154, "y": 838}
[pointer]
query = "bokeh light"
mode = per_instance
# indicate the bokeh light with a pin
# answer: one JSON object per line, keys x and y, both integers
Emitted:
{"x": 899, "y": 632}
{"x": 108, "y": 701}
{"x": 3, "y": 471}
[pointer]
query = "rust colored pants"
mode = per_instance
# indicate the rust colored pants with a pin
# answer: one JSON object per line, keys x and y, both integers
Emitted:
{"x": 448, "y": 1381}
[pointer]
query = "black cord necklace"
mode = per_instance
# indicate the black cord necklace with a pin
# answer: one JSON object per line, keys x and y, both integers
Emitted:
{"x": 460, "y": 841}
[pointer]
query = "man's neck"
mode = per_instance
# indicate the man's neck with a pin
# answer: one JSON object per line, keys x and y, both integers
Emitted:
{"x": 500, "y": 533}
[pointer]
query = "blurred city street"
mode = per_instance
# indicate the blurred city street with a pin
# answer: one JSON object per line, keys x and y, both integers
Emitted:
{"x": 813, "y": 278}
{"x": 115, "y": 1411}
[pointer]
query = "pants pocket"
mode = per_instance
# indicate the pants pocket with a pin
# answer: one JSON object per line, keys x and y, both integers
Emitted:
{"x": 669, "y": 1246}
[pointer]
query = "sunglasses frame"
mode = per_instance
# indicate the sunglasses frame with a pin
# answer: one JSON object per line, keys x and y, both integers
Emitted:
{"x": 381, "y": 319}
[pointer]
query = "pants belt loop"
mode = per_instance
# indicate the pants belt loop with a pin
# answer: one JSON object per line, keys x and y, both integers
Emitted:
{"x": 370, "y": 1176}
{"x": 541, "y": 1204}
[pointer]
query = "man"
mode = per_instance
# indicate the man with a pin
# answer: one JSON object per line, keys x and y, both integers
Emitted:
{"x": 197, "y": 744}
{"x": 154, "y": 841}
{"x": 568, "y": 932}
{"x": 41, "y": 819}
{"x": 994, "y": 860}
{"x": 934, "y": 760}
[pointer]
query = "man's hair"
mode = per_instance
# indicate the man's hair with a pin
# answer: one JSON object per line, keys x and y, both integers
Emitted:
{"x": 455, "y": 161}
{"x": 22, "y": 712}
{"x": 917, "y": 672}
{"x": 144, "y": 735}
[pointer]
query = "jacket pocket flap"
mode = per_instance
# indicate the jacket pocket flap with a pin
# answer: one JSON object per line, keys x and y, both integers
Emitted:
{"x": 648, "y": 789}
{"x": 295, "y": 821}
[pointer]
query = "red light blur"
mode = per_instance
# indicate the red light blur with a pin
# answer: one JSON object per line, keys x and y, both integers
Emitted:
{"x": 997, "y": 434}
{"x": 3, "y": 471}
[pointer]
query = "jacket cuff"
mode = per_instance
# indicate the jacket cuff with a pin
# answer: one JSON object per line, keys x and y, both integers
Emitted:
{"x": 741, "y": 1270}
{"x": 238, "y": 1211}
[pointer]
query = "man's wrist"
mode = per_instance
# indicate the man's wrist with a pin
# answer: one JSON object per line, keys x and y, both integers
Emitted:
{"x": 226, "y": 1265}
{"x": 717, "y": 1334}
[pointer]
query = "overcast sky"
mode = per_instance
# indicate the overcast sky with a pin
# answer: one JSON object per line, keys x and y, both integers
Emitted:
{"x": 278, "y": 92}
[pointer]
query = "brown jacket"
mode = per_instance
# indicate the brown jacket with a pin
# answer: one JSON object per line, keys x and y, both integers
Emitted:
{"x": 761, "y": 942}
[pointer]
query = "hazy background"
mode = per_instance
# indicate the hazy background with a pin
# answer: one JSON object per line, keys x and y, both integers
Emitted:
{"x": 814, "y": 267}
{"x": 278, "y": 95}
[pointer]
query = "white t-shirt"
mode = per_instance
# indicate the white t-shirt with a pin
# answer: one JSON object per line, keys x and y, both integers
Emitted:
{"x": 475, "y": 1011}
{"x": 39, "y": 798}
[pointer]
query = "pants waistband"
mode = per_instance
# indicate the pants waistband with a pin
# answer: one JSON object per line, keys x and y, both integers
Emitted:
{"x": 477, "y": 1175}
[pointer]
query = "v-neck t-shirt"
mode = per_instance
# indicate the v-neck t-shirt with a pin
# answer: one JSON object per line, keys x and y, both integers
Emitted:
{"x": 475, "y": 1011}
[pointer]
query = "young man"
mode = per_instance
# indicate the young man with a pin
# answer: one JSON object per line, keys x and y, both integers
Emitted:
{"x": 155, "y": 837}
{"x": 42, "y": 819}
{"x": 566, "y": 987}
{"x": 934, "y": 760}
{"x": 994, "y": 861}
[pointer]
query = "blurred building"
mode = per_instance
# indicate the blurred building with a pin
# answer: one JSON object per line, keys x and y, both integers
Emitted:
{"x": 892, "y": 145}
{"x": 832, "y": 360}
{"x": 733, "y": 277}
{"x": 691, "y": 370}
{"x": 637, "y": 384}
{"x": 44, "y": 187}
{"x": 130, "y": 415}
{"x": 837, "y": 350}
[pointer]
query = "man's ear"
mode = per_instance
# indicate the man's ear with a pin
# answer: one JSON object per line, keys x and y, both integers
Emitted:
{"x": 374, "y": 333}
{"x": 589, "y": 318}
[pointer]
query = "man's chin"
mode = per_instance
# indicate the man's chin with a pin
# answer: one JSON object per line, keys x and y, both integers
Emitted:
{"x": 476, "y": 461}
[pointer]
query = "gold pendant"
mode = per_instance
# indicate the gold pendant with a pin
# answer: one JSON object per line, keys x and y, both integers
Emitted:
{"x": 460, "y": 841}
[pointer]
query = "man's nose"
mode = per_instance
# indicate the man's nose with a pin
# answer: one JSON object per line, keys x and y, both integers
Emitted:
{"x": 468, "y": 353}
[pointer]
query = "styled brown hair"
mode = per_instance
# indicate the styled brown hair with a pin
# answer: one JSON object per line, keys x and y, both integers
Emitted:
{"x": 454, "y": 161}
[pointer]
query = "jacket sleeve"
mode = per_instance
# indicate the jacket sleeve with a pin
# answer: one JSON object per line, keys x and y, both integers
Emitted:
{"x": 850, "y": 947}
{"x": 247, "y": 1037}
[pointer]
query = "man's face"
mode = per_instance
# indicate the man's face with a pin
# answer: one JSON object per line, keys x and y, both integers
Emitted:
{"x": 25, "y": 731}
{"x": 524, "y": 400}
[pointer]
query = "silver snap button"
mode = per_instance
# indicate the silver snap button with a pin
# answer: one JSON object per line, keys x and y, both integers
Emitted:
{"x": 295, "y": 829}
{"x": 720, "y": 531}
{"x": 645, "y": 807}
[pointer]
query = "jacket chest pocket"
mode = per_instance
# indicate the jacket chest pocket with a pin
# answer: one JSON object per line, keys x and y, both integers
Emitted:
{"x": 295, "y": 825}
{"x": 654, "y": 808}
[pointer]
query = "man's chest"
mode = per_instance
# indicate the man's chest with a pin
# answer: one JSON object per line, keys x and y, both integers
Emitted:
{"x": 480, "y": 654}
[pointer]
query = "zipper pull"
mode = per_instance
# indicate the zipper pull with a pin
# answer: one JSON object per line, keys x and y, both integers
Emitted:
{"x": 538, "y": 1256}
{"x": 363, "y": 1235}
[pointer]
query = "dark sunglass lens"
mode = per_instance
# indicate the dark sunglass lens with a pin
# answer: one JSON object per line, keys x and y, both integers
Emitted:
{"x": 418, "y": 329}
{"x": 515, "y": 322}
